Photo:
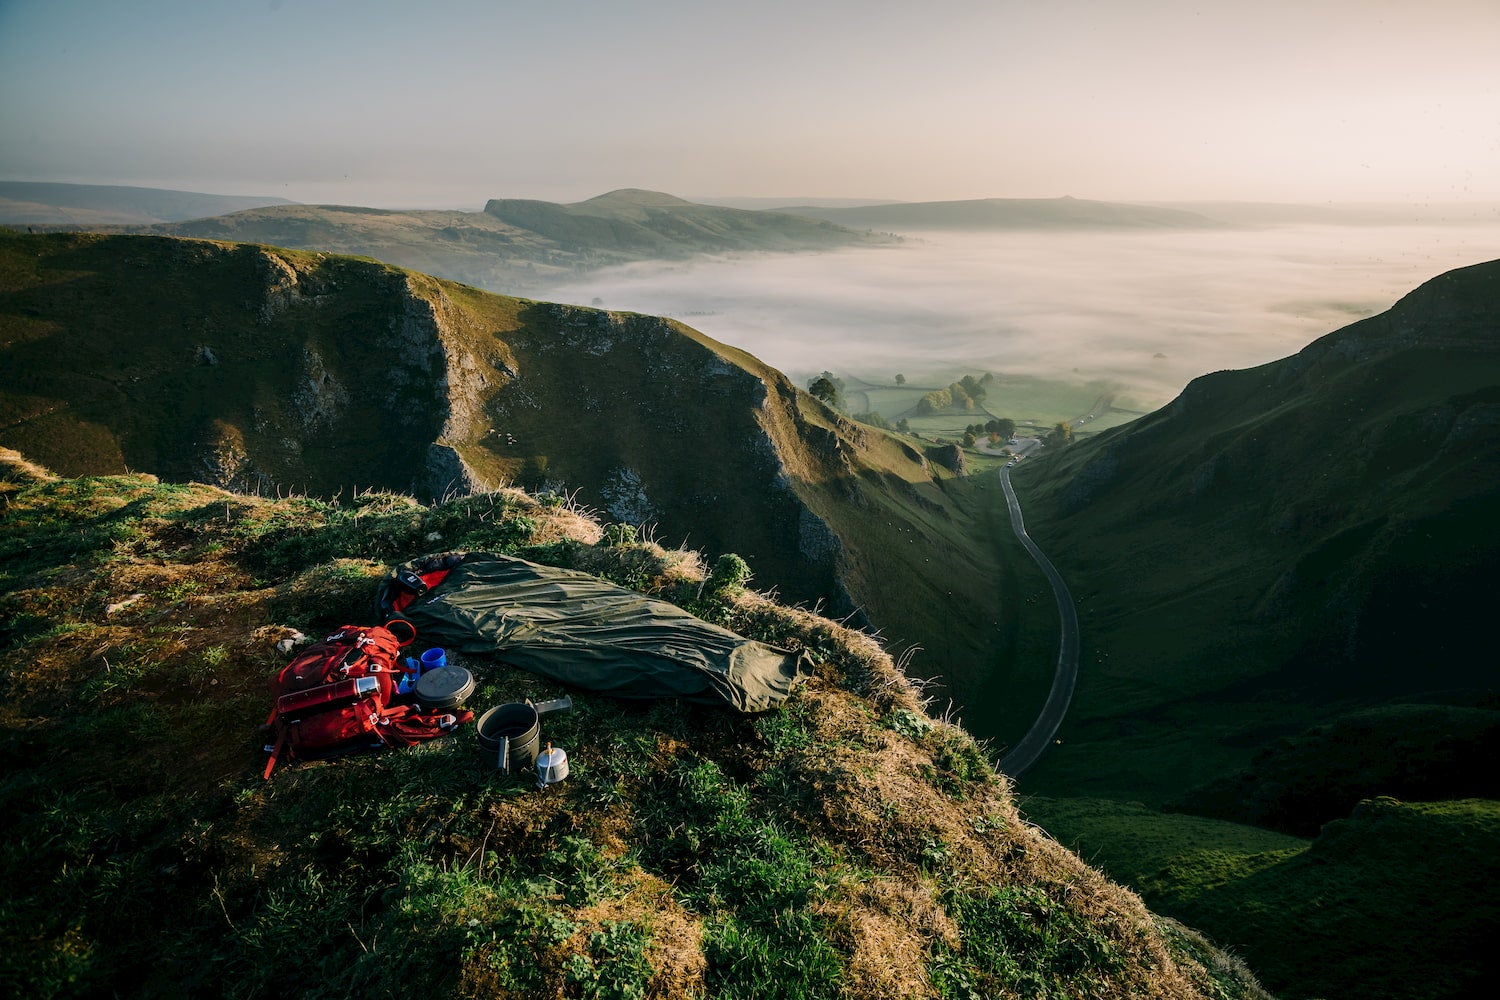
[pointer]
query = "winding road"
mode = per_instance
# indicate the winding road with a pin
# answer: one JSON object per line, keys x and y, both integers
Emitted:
{"x": 1042, "y": 732}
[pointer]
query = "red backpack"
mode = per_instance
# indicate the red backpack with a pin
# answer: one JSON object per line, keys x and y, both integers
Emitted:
{"x": 341, "y": 695}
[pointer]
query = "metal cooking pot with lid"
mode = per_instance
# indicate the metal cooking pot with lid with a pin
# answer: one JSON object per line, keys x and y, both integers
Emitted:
{"x": 444, "y": 687}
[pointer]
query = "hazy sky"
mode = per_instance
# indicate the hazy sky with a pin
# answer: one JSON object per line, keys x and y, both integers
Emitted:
{"x": 454, "y": 101}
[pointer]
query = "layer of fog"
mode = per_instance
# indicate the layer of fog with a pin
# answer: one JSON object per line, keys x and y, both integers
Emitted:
{"x": 1145, "y": 311}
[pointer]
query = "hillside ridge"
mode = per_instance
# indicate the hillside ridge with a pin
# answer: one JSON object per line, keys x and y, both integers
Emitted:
{"x": 511, "y": 246}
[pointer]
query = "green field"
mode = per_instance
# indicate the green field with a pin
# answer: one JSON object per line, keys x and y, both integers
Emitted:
{"x": 1395, "y": 901}
{"x": 1021, "y": 397}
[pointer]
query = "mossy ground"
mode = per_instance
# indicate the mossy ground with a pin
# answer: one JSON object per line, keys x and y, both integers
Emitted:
{"x": 847, "y": 845}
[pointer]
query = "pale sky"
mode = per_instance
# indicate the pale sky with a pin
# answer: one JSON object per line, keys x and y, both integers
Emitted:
{"x": 452, "y": 102}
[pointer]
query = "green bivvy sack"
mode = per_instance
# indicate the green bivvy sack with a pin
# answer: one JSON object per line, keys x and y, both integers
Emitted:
{"x": 587, "y": 632}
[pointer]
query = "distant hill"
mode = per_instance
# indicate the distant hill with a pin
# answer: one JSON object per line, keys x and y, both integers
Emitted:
{"x": 25, "y": 203}
{"x": 648, "y": 223}
{"x": 762, "y": 203}
{"x": 518, "y": 246}
{"x": 1253, "y": 213}
{"x": 1009, "y": 213}
{"x": 471, "y": 247}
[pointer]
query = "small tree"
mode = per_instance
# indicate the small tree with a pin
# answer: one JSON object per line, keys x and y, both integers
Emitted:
{"x": 824, "y": 389}
{"x": 969, "y": 439}
{"x": 900, "y": 379}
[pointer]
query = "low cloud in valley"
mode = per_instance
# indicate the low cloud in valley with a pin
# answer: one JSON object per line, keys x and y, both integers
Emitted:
{"x": 1145, "y": 311}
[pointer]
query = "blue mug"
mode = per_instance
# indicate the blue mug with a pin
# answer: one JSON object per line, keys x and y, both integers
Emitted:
{"x": 434, "y": 659}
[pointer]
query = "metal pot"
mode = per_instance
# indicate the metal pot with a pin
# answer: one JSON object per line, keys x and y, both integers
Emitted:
{"x": 512, "y": 733}
{"x": 444, "y": 687}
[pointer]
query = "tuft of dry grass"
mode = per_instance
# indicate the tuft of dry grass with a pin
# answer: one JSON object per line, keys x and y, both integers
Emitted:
{"x": 16, "y": 470}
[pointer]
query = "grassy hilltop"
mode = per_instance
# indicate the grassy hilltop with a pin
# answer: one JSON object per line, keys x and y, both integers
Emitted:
{"x": 847, "y": 845}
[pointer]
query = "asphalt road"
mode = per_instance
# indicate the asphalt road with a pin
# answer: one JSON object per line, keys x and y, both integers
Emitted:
{"x": 1044, "y": 730}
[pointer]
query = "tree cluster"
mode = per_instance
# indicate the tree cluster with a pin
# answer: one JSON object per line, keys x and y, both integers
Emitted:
{"x": 1003, "y": 427}
{"x": 966, "y": 394}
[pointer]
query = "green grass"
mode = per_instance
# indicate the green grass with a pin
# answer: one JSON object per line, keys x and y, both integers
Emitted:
{"x": 1021, "y": 940}
{"x": 1135, "y": 844}
{"x": 1407, "y": 881}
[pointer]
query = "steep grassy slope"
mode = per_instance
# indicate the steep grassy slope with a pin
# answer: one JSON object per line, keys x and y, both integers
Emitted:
{"x": 29, "y": 202}
{"x": 845, "y": 846}
{"x": 1009, "y": 213}
{"x": 272, "y": 370}
{"x": 1281, "y": 542}
{"x": 520, "y": 246}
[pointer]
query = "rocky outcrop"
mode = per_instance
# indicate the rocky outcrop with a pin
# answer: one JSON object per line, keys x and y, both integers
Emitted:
{"x": 950, "y": 457}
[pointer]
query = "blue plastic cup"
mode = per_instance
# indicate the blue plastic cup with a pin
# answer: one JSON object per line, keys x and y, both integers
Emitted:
{"x": 434, "y": 659}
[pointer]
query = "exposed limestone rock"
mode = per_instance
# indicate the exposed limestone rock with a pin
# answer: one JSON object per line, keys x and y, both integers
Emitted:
{"x": 816, "y": 541}
{"x": 280, "y": 286}
{"x": 318, "y": 397}
{"x": 950, "y": 457}
{"x": 625, "y": 497}
{"x": 223, "y": 460}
